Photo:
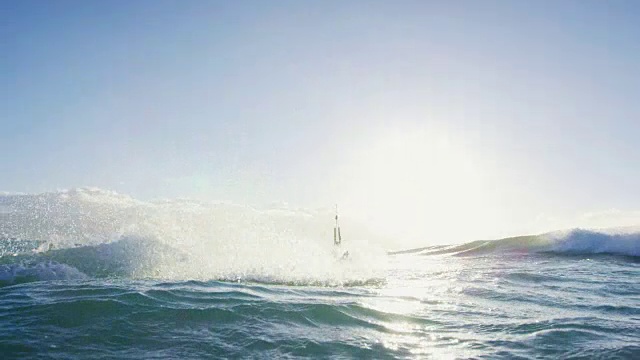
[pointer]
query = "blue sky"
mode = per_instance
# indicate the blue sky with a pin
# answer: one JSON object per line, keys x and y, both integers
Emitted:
{"x": 505, "y": 116}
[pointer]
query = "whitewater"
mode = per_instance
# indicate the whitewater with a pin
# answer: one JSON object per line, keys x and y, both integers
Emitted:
{"x": 88, "y": 273}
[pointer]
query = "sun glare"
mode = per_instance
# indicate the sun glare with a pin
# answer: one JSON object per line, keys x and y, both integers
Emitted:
{"x": 418, "y": 186}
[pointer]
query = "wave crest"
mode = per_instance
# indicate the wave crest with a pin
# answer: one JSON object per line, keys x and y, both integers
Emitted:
{"x": 593, "y": 242}
{"x": 576, "y": 241}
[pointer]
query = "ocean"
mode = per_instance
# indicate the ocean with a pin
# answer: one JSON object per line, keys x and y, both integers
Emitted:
{"x": 89, "y": 273}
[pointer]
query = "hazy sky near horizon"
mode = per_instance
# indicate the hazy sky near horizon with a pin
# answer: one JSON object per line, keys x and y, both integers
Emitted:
{"x": 427, "y": 119}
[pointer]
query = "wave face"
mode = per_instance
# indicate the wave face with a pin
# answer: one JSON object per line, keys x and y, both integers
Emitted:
{"x": 104, "y": 234}
{"x": 574, "y": 242}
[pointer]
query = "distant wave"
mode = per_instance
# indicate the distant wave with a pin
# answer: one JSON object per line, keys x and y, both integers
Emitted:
{"x": 577, "y": 241}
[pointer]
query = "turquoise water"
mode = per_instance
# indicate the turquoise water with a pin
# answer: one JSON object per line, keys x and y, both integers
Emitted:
{"x": 502, "y": 305}
{"x": 93, "y": 274}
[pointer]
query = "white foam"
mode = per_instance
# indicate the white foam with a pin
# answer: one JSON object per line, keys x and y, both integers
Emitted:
{"x": 596, "y": 242}
{"x": 41, "y": 271}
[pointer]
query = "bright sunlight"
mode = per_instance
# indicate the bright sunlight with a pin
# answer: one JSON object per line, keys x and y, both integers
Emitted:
{"x": 413, "y": 183}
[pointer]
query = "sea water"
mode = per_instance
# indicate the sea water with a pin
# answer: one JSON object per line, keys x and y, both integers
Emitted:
{"x": 91, "y": 274}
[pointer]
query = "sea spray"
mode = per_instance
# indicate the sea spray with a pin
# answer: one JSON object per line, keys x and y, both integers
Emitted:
{"x": 102, "y": 234}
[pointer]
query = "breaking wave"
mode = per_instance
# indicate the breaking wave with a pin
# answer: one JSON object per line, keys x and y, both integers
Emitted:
{"x": 573, "y": 242}
{"x": 95, "y": 233}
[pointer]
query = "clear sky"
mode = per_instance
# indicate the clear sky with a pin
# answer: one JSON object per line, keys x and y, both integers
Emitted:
{"x": 435, "y": 120}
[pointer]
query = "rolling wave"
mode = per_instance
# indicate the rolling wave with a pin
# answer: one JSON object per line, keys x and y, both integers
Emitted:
{"x": 574, "y": 242}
